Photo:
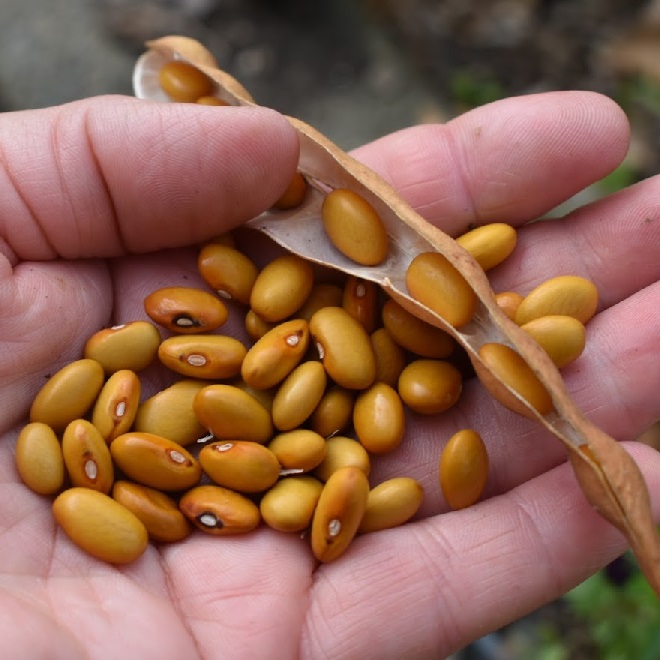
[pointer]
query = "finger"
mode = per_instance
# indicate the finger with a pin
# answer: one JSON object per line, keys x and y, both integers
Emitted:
{"x": 509, "y": 161}
{"x": 445, "y": 581}
{"x": 599, "y": 241}
{"x": 107, "y": 176}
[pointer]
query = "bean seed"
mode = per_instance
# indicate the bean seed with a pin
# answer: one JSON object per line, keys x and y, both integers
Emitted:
{"x": 300, "y": 449}
{"x": 344, "y": 348}
{"x": 154, "y": 461}
{"x": 463, "y": 469}
{"x": 562, "y": 337}
{"x": 169, "y": 413}
{"x": 203, "y": 356}
{"x": 281, "y": 288}
{"x": 489, "y": 244}
{"x": 415, "y": 335}
{"x": 255, "y": 326}
{"x": 322, "y": 295}
{"x": 504, "y": 363}
{"x": 247, "y": 467}
{"x": 333, "y": 412}
{"x": 185, "y": 310}
{"x": 227, "y": 271}
{"x": 338, "y": 513}
{"x": 230, "y": 413}
{"x": 341, "y": 451}
{"x": 183, "y": 82}
{"x": 390, "y": 357}
{"x": 298, "y": 395}
{"x": 354, "y": 227}
{"x": 430, "y": 386}
{"x": 432, "y": 280}
{"x": 272, "y": 358}
{"x": 39, "y": 459}
{"x": 131, "y": 346}
{"x": 68, "y": 394}
{"x": 157, "y": 511}
{"x": 100, "y": 526}
{"x": 211, "y": 100}
{"x": 264, "y": 397}
{"x": 219, "y": 511}
{"x": 391, "y": 503}
{"x": 86, "y": 456}
{"x": 360, "y": 300}
{"x": 567, "y": 295}
{"x": 508, "y": 302}
{"x": 117, "y": 405}
{"x": 379, "y": 419}
{"x": 294, "y": 194}
{"x": 289, "y": 505}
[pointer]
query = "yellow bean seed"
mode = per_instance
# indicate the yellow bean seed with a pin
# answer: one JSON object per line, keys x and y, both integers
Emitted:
{"x": 391, "y": 503}
{"x": 300, "y": 449}
{"x": 183, "y": 82}
{"x": 117, "y": 405}
{"x": 333, "y": 412}
{"x": 68, "y": 394}
{"x": 567, "y": 295}
{"x": 130, "y": 346}
{"x": 230, "y": 413}
{"x": 211, "y": 100}
{"x": 390, "y": 357}
{"x": 219, "y": 511}
{"x": 341, "y": 451}
{"x": 227, "y": 271}
{"x": 463, "y": 469}
{"x": 87, "y": 457}
{"x": 344, "y": 348}
{"x": 281, "y": 288}
{"x": 338, "y": 513}
{"x": 169, "y": 413}
{"x": 360, "y": 300}
{"x": 415, "y": 335}
{"x": 294, "y": 194}
{"x": 379, "y": 419}
{"x": 508, "y": 302}
{"x": 430, "y": 386}
{"x": 432, "y": 280}
{"x": 273, "y": 357}
{"x": 298, "y": 395}
{"x": 247, "y": 467}
{"x": 39, "y": 459}
{"x": 255, "y": 326}
{"x": 354, "y": 227}
{"x": 154, "y": 461}
{"x": 100, "y": 526}
{"x": 322, "y": 295}
{"x": 489, "y": 244}
{"x": 503, "y": 363}
{"x": 203, "y": 356}
{"x": 289, "y": 505}
{"x": 264, "y": 397}
{"x": 562, "y": 337}
{"x": 157, "y": 511}
{"x": 185, "y": 310}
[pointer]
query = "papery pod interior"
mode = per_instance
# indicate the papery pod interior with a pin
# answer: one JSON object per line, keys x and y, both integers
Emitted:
{"x": 609, "y": 477}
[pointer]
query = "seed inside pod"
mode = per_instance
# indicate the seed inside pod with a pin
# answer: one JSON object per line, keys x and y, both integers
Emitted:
{"x": 354, "y": 227}
{"x": 294, "y": 193}
{"x": 183, "y": 82}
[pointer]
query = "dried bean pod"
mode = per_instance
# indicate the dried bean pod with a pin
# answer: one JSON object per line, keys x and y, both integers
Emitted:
{"x": 609, "y": 477}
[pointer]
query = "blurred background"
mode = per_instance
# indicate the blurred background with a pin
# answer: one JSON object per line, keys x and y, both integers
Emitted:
{"x": 357, "y": 70}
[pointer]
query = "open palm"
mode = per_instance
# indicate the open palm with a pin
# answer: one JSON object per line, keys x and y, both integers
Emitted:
{"x": 100, "y": 203}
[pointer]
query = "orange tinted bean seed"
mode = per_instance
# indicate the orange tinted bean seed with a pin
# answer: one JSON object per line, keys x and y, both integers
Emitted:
{"x": 183, "y": 82}
{"x": 227, "y": 271}
{"x": 294, "y": 194}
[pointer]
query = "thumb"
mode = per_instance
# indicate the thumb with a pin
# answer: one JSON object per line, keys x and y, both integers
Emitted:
{"x": 108, "y": 176}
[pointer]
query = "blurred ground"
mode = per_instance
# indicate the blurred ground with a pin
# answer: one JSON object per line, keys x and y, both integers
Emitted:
{"x": 358, "y": 70}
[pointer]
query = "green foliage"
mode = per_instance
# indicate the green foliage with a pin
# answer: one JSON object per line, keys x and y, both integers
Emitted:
{"x": 624, "y": 621}
{"x": 469, "y": 90}
{"x": 622, "y": 177}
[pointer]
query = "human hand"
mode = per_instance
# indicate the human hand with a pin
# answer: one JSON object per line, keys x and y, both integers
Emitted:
{"x": 100, "y": 202}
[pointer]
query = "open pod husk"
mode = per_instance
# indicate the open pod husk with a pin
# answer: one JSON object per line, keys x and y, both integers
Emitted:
{"x": 608, "y": 476}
